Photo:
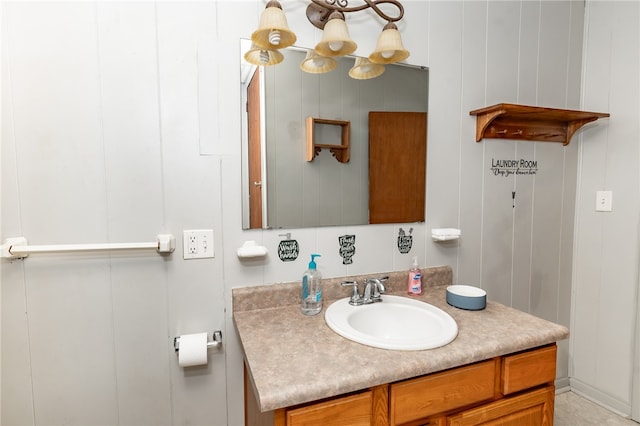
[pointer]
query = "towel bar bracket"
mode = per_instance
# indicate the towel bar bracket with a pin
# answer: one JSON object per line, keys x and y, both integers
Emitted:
{"x": 13, "y": 242}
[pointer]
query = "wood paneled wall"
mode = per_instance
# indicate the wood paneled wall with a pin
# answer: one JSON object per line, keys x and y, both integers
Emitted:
{"x": 121, "y": 120}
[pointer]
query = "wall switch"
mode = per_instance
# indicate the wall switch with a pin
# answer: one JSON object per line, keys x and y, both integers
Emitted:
{"x": 197, "y": 243}
{"x": 604, "y": 201}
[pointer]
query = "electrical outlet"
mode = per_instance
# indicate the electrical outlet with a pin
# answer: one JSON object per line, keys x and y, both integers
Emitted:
{"x": 198, "y": 243}
{"x": 192, "y": 243}
{"x": 604, "y": 201}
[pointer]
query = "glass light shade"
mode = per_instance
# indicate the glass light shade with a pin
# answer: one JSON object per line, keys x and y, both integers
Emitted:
{"x": 260, "y": 56}
{"x": 389, "y": 48}
{"x": 364, "y": 69}
{"x": 316, "y": 64}
{"x": 335, "y": 38}
{"x": 273, "y": 31}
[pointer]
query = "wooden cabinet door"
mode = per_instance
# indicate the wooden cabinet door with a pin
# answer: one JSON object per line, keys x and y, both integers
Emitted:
{"x": 397, "y": 171}
{"x": 533, "y": 408}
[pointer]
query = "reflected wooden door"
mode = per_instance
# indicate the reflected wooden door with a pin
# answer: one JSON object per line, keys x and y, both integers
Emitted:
{"x": 254, "y": 151}
{"x": 397, "y": 166}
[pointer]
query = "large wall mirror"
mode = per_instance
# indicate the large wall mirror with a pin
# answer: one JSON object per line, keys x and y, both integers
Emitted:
{"x": 381, "y": 180}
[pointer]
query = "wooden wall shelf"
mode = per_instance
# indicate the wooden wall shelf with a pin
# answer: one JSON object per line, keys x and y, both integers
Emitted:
{"x": 521, "y": 122}
{"x": 341, "y": 151}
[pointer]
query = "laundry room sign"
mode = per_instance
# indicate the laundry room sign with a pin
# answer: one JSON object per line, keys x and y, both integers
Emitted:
{"x": 521, "y": 167}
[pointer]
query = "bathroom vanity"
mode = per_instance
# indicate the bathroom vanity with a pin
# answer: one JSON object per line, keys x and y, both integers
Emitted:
{"x": 499, "y": 370}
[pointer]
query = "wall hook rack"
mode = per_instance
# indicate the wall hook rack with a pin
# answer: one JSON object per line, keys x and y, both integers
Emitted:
{"x": 522, "y": 122}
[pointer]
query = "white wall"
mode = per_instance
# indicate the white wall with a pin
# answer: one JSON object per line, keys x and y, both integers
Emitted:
{"x": 101, "y": 143}
{"x": 605, "y": 301}
{"x": 121, "y": 120}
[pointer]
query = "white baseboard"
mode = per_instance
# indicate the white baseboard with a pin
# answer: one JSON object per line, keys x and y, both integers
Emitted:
{"x": 562, "y": 385}
{"x": 598, "y": 397}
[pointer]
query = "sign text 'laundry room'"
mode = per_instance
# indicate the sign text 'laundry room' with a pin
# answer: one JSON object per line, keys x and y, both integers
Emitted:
{"x": 514, "y": 167}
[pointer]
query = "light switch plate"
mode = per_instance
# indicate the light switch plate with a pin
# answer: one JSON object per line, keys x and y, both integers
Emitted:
{"x": 197, "y": 244}
{"x": 604, "y": 201}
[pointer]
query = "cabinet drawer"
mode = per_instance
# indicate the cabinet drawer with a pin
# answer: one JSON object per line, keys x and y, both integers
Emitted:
{"x": 531, "y": 408}
{"x": 528, "y": 369}
{"x": 353, "y": 410}
{"x": 419, "y": 398}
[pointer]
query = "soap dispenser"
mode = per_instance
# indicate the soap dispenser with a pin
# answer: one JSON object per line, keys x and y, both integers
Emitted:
{"x": 311, "y": 303}
{"x": 414, "y": 283}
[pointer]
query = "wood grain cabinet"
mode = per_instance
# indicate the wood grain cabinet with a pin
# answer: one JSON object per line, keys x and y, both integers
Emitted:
{"x": 511, "y": 390}
{"x": 360, "y": 409}
{"x": 428, "y": 396}
{"x": 529, "y": 409}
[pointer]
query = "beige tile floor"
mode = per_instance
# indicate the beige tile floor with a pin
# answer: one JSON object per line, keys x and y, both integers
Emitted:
{"x": 573, "y": 410}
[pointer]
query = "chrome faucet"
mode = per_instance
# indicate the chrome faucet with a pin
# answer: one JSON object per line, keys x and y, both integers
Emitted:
{"x": 373, "y": 290}
{"x": 372, "y": 293}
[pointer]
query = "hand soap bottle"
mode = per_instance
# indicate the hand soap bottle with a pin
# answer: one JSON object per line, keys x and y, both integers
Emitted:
{"x": 312, "y": 289}
{"x": 414, "y": 283}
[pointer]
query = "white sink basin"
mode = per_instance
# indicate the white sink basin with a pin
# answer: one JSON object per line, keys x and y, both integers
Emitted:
{"x": 399, "y": 323}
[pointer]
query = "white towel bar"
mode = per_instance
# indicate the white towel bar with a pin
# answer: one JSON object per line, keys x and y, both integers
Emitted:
{"x": 17, "y": 247}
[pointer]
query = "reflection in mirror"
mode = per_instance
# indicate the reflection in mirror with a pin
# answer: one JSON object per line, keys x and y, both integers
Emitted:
{"x": 383, "y": 180}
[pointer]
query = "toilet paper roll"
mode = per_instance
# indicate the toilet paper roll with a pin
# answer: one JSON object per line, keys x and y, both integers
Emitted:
{"x": 193, "y": 350}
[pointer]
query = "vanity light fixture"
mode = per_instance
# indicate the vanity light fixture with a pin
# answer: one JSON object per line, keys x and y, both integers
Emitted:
{"x": 336, "y": 40}
{"x": 364, "y": 69}
{"x": 273, "y": 33}
{"x": 389, "y": 48}
{"x": 263, "y": 56}
{"x": 316, "y": 64}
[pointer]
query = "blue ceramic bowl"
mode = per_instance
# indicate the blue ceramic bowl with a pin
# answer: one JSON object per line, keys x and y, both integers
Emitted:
{"x": 466, "y": 297}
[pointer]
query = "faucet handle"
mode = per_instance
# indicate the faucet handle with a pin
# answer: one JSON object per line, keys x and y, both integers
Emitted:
{"x": 355, "y": 296}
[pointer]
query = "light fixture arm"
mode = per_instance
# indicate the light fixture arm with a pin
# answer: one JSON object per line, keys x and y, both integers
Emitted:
{"x": 319, "y": 10}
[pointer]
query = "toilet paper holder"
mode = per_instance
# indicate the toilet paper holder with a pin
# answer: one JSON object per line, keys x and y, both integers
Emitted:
{"x": 215, "y": 343}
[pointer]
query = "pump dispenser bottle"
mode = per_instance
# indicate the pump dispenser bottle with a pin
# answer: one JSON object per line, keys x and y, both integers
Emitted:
{"x": 311, "y": 303}
{"x": 414, "y": 283}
